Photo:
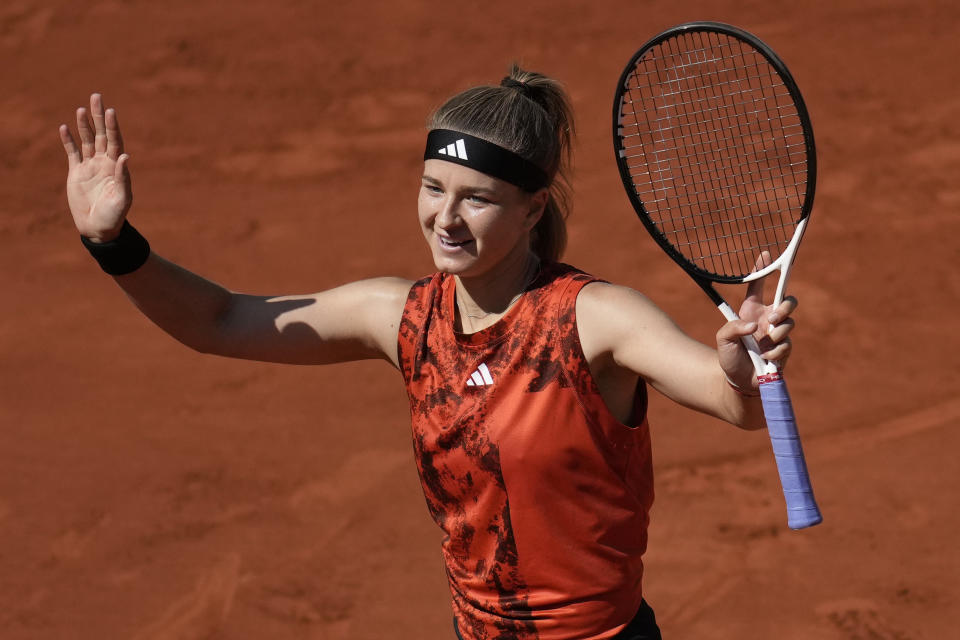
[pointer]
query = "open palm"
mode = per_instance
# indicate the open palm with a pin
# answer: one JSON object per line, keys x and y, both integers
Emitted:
{"x": 98, "y": 181}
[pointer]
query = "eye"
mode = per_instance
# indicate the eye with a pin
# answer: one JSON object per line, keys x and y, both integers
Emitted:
{"x": 432, "y": 188}
{"x": 478, "y": 200}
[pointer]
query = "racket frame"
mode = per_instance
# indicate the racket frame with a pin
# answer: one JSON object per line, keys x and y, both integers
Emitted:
{"x": 802, "y": 114}
{"x": 704, "y": 278}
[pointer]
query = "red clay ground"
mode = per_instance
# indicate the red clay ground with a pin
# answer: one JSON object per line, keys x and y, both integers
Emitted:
{"x": 149, "y": 492}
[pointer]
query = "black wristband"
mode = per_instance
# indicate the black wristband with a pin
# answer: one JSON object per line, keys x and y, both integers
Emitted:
{"x": 124, "y": 254}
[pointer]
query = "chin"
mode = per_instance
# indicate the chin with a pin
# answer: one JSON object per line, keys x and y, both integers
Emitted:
{"x": 454, "y": 267}
{"x": 460, "y": 265}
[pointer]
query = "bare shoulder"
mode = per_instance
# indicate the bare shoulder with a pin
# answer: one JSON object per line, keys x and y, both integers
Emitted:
{"x": 388, "y": 290}
{"x": 606, "y": 293}
{"x": 623, "y": 324}
{"x": 380, "y": 301}
{"x": 354, "y": 321}
{"x": 368, "y": 311}
{"x": 610, "y": 307}
{"x": 370, "y": 300}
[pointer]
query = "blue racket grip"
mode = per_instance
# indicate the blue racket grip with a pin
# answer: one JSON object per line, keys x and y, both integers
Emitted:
{"x": 802, "y": 508}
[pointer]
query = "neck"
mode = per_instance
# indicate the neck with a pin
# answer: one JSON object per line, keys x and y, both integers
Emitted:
{"x": 482, "y": 300}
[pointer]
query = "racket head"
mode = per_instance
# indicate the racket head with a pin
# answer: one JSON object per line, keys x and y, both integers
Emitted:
{"x": 715, "y": 148}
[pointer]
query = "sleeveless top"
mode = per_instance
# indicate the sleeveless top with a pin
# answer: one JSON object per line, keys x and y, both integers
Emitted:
{"x": 542, "y": 493}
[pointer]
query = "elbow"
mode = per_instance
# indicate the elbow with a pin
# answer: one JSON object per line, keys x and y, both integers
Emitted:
{"x": 205, "y": 348}
{"x": 212, "y": 340}
{"x": 207, "y": 334}
{"x": 199, "y": 344}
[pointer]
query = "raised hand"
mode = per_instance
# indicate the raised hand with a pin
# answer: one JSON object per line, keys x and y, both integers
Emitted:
{"x": 769, "y": 326}
{"x": 98, "y": 180}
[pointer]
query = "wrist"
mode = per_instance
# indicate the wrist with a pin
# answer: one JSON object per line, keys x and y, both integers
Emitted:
{"x": 108, "y": 236}
{"x": 123, "y": 254}
{"x": 748, "y": 392}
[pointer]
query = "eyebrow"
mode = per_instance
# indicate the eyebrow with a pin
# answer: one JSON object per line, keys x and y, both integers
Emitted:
{"x": 466, "y": 188}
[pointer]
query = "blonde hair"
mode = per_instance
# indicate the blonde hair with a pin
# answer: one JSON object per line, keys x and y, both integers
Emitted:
{"x": 529, "y": 114}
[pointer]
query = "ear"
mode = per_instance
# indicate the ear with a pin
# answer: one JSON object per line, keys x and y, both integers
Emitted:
{"x": 538, "y": 202}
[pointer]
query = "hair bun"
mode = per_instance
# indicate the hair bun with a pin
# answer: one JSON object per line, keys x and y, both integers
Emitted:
{"x": 527, "y": 91}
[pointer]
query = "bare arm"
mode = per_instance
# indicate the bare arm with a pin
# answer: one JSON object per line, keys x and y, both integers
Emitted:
{"x": 357, "y": 321}
{"x": 623, "y": 327}
{"x": 353, "y": 322}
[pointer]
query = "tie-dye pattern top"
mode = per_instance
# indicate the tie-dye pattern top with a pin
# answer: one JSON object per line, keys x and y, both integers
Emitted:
{"x": 542, "y": 493}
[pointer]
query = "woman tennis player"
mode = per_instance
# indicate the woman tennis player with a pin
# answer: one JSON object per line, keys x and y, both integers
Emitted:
{"x": 526, "y": 377}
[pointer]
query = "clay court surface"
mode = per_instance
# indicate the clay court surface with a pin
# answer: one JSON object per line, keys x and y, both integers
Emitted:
{"x": 149, "y": 492}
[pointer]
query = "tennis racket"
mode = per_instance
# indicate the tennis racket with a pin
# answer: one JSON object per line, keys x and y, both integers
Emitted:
{"x": 716, "y": 152}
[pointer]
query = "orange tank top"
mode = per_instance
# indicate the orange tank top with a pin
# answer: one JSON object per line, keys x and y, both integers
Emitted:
{"x": 542, "y": 493}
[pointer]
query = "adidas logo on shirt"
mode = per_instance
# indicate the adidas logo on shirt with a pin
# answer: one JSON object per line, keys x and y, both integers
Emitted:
{"x": 456, "y": 149}
{"x": 481, "y": 377}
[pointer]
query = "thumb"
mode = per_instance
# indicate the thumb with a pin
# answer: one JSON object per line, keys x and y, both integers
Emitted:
{"x": 734, "y": 330}
{"x": 121, "y": 173}
{"x": 121, "y": 176}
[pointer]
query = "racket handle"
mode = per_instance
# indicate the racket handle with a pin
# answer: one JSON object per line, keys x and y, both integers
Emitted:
{"x": 802, "y": 508}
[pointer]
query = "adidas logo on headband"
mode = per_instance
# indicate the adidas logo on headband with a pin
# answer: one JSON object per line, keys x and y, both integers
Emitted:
{"x": 456, "y": 149}
{"x": 485, "y": 157}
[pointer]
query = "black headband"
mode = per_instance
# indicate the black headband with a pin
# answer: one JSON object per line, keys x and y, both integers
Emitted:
{"x": 485, "y": 157}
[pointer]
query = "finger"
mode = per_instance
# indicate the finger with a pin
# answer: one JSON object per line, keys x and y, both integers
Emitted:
{"x": 73, "y": 153}
{"x": 99, "y": 124}
{"x": 755, "y": 288}
{"x": 784, "y": 310}
{"x": 780, "y": 353}
{"x": 122, "y": 173}
{"x": 780, "y": 332}
{"x": 762, "y": 260}
{"x": 734, "y": 330}
{"x": 114, "y": 139}
{"x": 86, "y": 134}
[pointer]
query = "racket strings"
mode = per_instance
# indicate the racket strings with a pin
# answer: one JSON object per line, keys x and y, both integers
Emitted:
{"x": 732, "y": 129}
{"x": 716, "y": 150}
{"x": 710, "y": 108}
{"x": 744, "y": 168}
{"x": 759, "y": 233}
{"x": 757, "y": 196}
{"x": 708, "y": 244}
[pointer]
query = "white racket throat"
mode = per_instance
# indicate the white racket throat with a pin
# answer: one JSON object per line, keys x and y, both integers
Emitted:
{"x": 781, "y": 264}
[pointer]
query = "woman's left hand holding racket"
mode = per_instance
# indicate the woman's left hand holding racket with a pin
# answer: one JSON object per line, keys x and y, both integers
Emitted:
{"x": 769, "y": 325}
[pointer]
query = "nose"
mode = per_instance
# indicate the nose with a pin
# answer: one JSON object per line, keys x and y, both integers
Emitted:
{"x": 447, "y": 216}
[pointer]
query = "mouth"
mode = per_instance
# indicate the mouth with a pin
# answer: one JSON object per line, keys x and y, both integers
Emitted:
{"x": 451, "y": 244}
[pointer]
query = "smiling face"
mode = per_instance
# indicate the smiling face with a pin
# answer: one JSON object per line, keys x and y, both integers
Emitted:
{"x": 474, "y": 222}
